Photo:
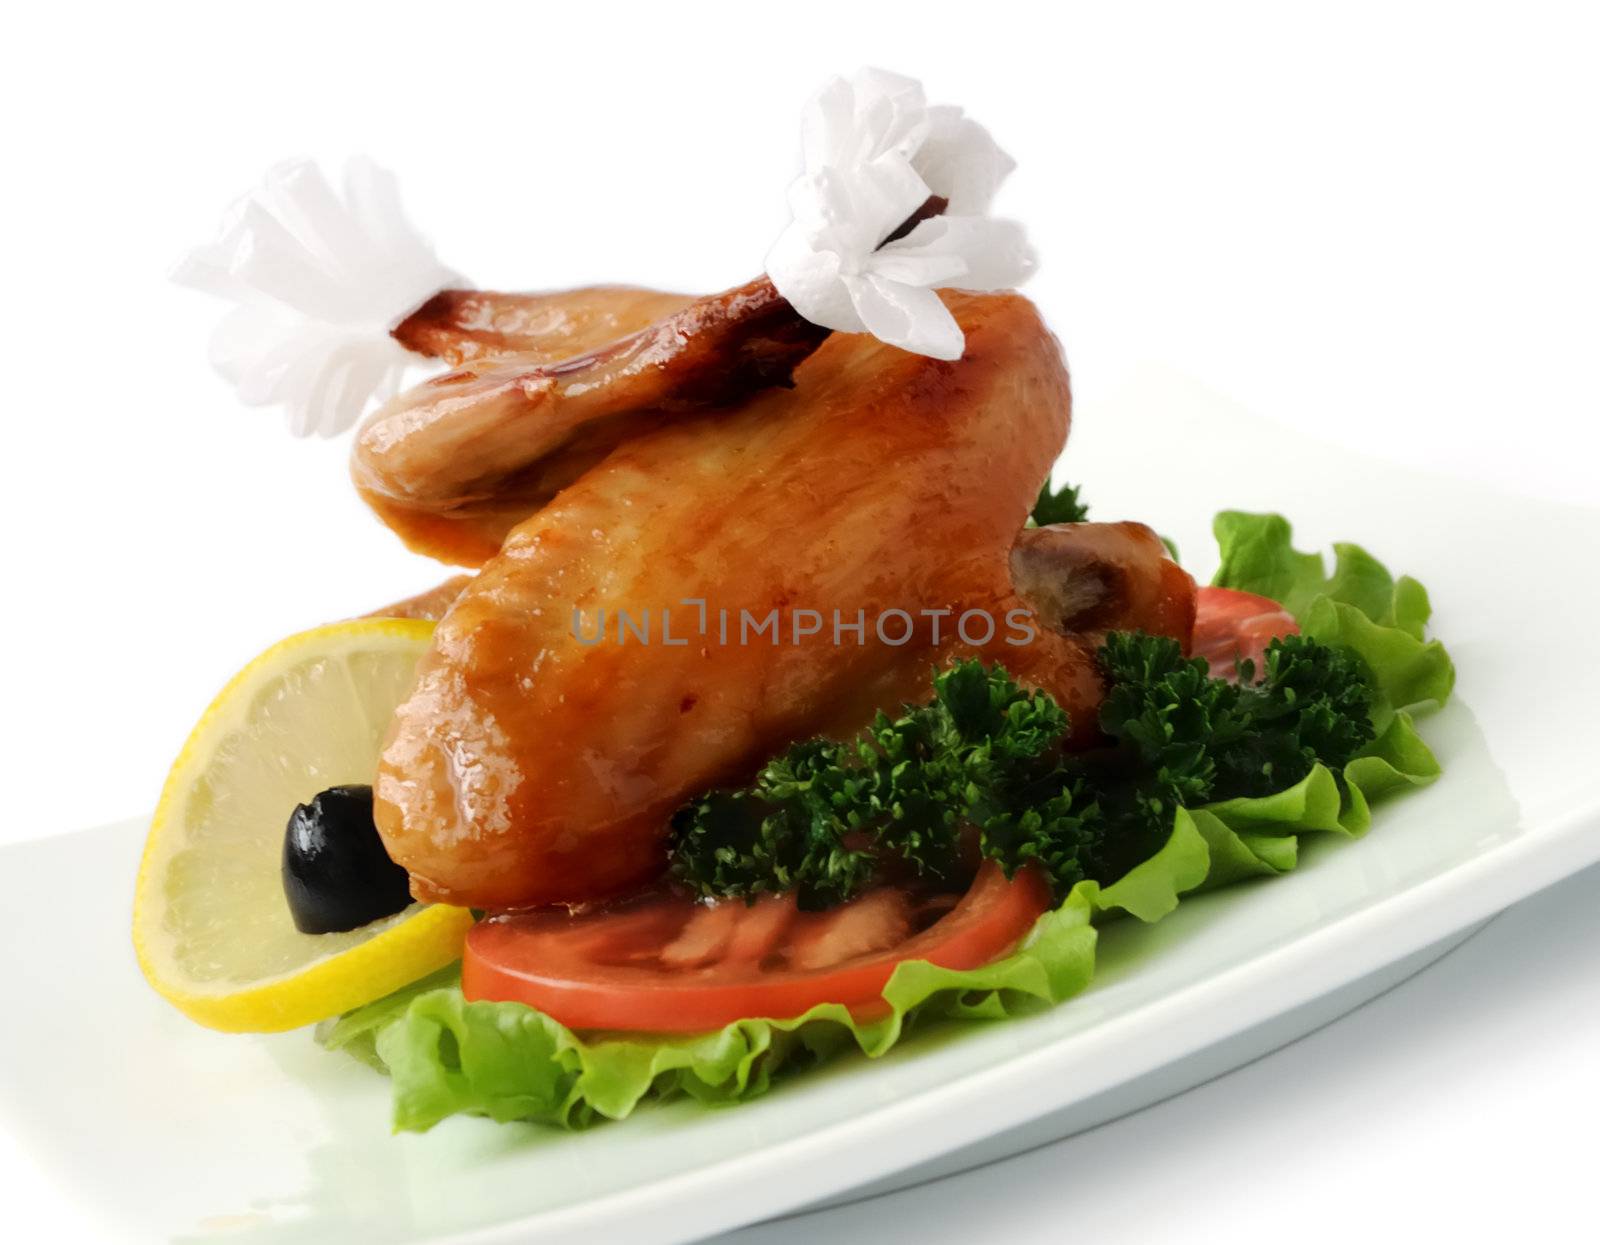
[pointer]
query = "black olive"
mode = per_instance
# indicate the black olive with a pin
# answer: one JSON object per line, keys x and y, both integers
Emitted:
{"x": 336, "y": 874}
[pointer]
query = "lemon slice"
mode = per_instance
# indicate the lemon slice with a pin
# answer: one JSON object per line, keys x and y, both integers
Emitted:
{"x": 211, "y": 925}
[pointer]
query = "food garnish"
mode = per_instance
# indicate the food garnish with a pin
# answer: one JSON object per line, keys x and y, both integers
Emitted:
{"x": 1236, "y": 627}
{"x": 336, "y": 874}
{"x": 986, "y": 756}
{"x": 666, "y": 964}
{"x": 1057, "y": 505}
{"x": 213, "y": 929}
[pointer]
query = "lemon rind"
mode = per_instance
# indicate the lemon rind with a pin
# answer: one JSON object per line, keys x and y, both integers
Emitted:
{"x": 421, "y": 944}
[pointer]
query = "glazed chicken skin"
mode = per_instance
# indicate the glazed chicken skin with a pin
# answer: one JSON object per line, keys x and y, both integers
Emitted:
{"x": 546, "y": 388}
{"x": 535, "y": 763}
{"x": 468, "y": 326}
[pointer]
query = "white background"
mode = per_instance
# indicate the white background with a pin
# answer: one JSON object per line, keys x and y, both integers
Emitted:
{"x": 1376, "y": 222}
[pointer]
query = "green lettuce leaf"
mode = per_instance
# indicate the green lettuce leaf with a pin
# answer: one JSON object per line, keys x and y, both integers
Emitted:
{"x": 446, "y": 1055}
{"x": 1360, "y": 606}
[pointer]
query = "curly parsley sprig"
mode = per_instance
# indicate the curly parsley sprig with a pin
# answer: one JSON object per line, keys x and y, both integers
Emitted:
{"x": 1064, "y": 505}
{"x": 1058, "y": 506}
{"x": 985, "y": 758}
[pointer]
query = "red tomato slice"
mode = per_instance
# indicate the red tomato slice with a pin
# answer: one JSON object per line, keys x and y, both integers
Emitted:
{"x": 1230, "y": 626}
{"x": 664, "y": 963}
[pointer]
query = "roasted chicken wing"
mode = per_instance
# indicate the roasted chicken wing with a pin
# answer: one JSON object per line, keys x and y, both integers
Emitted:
{"x": 465, "y": 326}
{"x": 549, "y": 739}
{"x": 547, "y": 389}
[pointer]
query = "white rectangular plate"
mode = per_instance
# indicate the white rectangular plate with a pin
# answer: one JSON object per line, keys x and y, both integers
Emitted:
{"x": 166, "y": 1130}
